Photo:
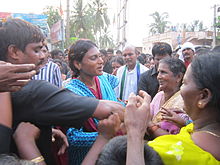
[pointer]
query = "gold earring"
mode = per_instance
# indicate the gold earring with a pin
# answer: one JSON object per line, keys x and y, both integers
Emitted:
{"x": 199, "y": 104}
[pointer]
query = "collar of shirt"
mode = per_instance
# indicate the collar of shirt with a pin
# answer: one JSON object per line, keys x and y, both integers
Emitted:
{"x": 154, "y": 71}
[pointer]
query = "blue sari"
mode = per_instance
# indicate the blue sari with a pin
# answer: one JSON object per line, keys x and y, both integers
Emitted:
{"x": 80, "y": 140}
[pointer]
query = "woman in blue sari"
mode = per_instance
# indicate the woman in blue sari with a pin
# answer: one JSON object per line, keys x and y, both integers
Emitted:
{"x": 88, "y": 80}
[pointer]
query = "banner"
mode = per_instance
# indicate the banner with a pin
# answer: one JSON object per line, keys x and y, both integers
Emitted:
{"x": 56, "y": 32}
{"x": 39, "y": 20}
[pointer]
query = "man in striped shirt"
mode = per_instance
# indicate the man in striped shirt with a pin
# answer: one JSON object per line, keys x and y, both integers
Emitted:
{"x": 50, "y": 72}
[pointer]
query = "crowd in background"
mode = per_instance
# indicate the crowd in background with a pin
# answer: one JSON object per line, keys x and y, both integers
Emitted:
{"x": 87, "y": 105}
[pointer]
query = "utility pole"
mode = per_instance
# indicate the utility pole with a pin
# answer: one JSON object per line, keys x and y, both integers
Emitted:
{"x": 67, "y": 22}
{"x": 214, "y": 26}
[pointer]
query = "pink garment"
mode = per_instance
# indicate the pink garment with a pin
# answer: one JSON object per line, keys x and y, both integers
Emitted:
{"x": 157, "y": 103}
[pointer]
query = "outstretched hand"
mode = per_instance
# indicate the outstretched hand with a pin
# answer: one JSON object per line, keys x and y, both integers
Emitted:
{"x": 14, "y": 76}
{"x": 61, "y": 139}
{"x": 110, "y": 126}
{"x": 137, "y": 113}
{"x": 172, "y": 116}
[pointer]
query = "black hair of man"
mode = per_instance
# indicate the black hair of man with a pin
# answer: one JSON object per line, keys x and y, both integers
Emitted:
{"x": 110, "y": 50}
{"x": 115, "y": 152}
{"x": 103, "y": 52}
{"x": 56, "y": 52}
{"x": 19, "y": 33}
{"x": 161, "y": 48}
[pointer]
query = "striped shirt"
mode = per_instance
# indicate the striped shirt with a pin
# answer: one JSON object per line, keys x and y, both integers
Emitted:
{"x": 51, "y": 73}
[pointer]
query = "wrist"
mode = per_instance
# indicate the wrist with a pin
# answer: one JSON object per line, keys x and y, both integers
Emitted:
{"x": 104, "y": 137}
{"x": 152, "y": 128}
{"x": 135, "y": 134}
{"x": 188, "y": 122}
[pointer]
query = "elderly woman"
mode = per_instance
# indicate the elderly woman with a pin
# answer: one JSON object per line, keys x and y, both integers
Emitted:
{"x": 89, "y": 80}
{"x": 167, "y": 105}
{"x": 198, "y": 142}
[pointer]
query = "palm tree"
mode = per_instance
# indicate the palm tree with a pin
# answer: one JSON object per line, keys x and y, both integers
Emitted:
{"x": 160, "y": 23}
{"x": 99, "y": 12}
{"x": 80, "y": 21}
{"x": 106, "y": 41}
{"x": 98, "y": 9}
{"x": 53, "y": 15}
{"x": 90, "y": 20}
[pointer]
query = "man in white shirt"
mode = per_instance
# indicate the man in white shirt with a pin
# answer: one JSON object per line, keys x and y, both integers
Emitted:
{"x": 129, "y": 74}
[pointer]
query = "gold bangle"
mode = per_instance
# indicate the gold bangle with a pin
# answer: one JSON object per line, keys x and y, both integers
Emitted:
{"x": 38, "y": 159}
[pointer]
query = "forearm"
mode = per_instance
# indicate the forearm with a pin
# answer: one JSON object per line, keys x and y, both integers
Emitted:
{"x": 135, "y": 150}
{"x": 5, "y": 109}
{"x": 94, "y": 152}
{"x": 27, "y": 149}
{"x": 106, "y": 108}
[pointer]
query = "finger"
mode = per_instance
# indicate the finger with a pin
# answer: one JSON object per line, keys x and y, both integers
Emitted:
{"x": 17, "y": 68}
{"x": 139, "y": 100}
{"x": 167, "y": 111}
{"x": 178, "y": 110}
{"x": 144, "y": 94}
{"x": 62, "y": 149}
{"x": 2, "y": 62}
{"x": 117, "y": 120}
{"x": 123, "y": 128}
{"x": 65, "y": 141}
{"x": 132, "y": 99}
{"x": 13, "y": 88}
{"x": 164, "y": 112}
{"x": 26, "y": 75}
{"x": 166, "y": 118}
{"x": 19, "y": 83}
{"x": 147, "y": 98}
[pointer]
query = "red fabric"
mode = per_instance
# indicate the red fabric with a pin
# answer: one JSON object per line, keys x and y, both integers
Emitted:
{"x": 97, "y": 93}
{"x": 59, "y": 159}
{"x": 90, "y": 124}
{"x": 187, "y": 63}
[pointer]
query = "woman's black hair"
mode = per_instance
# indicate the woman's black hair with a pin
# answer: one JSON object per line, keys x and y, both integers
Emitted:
{"x": 77, "y": 52}
{"x": 118, "y": 59}
{"x": 206, "y": 74}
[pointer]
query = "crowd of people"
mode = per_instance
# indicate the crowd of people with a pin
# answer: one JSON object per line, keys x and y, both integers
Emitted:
{"x": 95, "y": 106}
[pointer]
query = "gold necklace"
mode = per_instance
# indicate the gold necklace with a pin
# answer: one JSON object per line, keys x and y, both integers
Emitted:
{"x": 208, "y": 130}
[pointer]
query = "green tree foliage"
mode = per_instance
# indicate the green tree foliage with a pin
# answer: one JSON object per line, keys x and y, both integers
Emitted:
{"x": 80, "y": 21}
{"x": 105, "y": 40}
{"x": 196, "y": 25}
{"x": 53, "y": 15}
{"x": 90, "y": 20}
{"x": 160, "y": 23}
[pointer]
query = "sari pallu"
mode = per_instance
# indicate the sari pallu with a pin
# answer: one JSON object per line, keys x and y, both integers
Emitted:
{"x": 175, "y": 102}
